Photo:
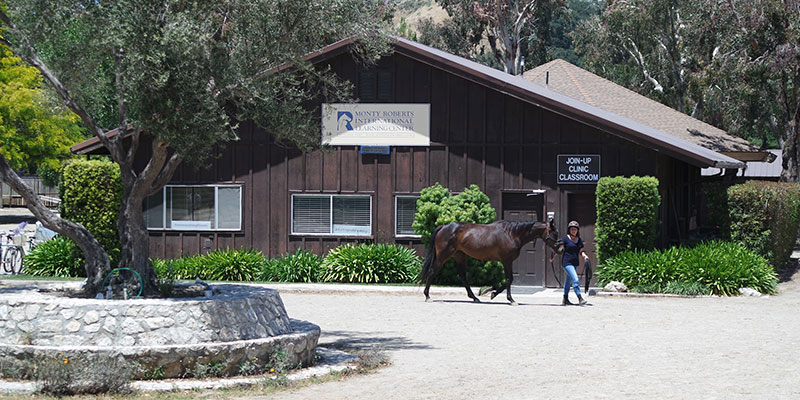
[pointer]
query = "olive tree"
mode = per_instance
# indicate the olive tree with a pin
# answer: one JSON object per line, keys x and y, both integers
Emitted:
{"x": 172, "y": 77}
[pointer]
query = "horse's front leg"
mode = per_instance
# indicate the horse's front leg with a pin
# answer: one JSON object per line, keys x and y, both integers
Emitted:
{"x": 461, "y": 268}
{"x": 509, "y": 278}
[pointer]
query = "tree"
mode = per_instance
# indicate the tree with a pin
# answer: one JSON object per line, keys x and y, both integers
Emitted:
{"x": 36, "y": 132}
{"x": 512, "y": 29}
{"x": 174, "y": 76}
{"x": 647, "y": 46}
{"x": 758, "y": 64}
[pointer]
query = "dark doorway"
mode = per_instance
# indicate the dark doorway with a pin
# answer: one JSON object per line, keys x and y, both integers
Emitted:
{"x": 529, "y": 267}
{"x": 582, "y": 208}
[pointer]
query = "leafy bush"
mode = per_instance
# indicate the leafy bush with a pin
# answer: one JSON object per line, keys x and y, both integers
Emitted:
{"x": 436, "y": 207}
{"x": 91, "y": 194}
{"x": 765, "y": 217}
{"x": 721, "y": 267}
{"x": 232, "y": 265}
{"x": 219, "y": 265}
{"x": 59, "y": 257}
{"x": 633, "y": 229}
{"x": 716, "y": 195}
{"x": 302, "y": 266}
{"x": 370, "y": 263}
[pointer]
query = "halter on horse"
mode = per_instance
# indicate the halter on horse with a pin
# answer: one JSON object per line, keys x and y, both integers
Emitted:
{"x": 498, "y": 241}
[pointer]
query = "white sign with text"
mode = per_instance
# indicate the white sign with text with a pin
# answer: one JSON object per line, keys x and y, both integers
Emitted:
{"x": 368, "y": 124}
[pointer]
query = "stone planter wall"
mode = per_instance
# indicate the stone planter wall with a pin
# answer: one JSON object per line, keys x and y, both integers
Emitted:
{"x": 240, "y": 323}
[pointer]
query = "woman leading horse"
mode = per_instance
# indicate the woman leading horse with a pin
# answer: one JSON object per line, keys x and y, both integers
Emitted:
{"x": 498, "y": 241}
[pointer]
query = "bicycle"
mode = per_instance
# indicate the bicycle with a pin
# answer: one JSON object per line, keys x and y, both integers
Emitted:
{"x": 12, "y": 254}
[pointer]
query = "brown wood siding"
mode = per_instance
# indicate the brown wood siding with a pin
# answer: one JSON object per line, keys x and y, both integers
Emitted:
{"x": 479, "y": 136}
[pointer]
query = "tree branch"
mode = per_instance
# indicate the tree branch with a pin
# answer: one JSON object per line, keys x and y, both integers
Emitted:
{"x": 637, "y": 55}
{"x": 166, "y": 173}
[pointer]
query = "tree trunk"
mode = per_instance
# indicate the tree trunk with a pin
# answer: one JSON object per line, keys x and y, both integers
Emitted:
{"x": 97, "y": 261}
{"x": 136, "y": 242}
{"x": 791, "y": 153}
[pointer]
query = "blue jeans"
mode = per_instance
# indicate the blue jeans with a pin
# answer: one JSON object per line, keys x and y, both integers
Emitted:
{"x": 571, "y": 280}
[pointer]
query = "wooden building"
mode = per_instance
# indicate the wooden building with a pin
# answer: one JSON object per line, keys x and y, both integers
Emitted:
{"x": 514, "y": 138}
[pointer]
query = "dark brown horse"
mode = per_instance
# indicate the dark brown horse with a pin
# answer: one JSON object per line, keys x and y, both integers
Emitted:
{"x": 498, "y": 241}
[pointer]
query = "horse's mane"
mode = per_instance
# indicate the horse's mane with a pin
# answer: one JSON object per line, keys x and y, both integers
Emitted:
{"x": 519, "y": 228}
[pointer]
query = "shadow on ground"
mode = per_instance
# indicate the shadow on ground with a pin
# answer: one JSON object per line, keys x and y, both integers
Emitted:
{"x": 348, "y": 340}
{"x": 786, "y": 273}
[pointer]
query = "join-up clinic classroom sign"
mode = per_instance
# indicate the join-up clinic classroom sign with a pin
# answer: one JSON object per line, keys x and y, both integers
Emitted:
{"x": 578, "y": 168}
{"x": 364, "y": 124}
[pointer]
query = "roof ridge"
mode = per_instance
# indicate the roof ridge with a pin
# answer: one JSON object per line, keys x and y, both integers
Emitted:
{"x": 575, "y": 81}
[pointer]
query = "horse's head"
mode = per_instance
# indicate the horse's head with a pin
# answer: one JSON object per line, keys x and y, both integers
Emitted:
{"x": 552, "y": 238}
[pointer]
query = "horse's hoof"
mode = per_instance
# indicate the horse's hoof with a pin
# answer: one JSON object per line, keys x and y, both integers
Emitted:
{"x": 493, "y": 295}
{"x": 484, "y": 290}
{"x": 513, "y": 303}
{"x": 475, "y": 300}
{"x": 427, "y": 299}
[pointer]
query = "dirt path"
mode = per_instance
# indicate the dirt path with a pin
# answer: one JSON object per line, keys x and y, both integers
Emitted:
{"x": 705, "y": 348}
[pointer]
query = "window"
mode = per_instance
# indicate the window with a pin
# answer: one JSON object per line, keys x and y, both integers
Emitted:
{"x": 375, "y": 85}
{"x": 195, "y": 208}
{"x": 405, "y": 208}
{"x": 332, "y": 214}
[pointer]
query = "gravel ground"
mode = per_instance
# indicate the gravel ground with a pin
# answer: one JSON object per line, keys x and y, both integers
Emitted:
{"x": 681, "y": 348}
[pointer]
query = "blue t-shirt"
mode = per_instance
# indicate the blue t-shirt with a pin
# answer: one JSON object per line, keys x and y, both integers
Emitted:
{"x": 571, "y": 251}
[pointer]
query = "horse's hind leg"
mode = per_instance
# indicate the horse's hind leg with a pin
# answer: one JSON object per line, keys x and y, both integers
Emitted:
{"x": 507, "y": 286}
{"x": 461, "y": 267}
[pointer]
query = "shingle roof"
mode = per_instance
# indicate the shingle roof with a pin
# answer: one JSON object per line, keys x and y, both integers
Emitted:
{"x": 578, "y": 83}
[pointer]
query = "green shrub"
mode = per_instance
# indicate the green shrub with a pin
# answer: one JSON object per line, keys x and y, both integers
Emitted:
{"x": 232, "y": 265}
{"x": 301, "y": 266}
{"x": 59, "y": 257}
{"x": 436, "y": 207}
{"x": 190, "y": 267}
{"x": 370, "y": 263}
{"x": 765, "y": 217}
{"x": 716, "y": 195}
{"x": 711, "y": 267}
{"x": 91, "y": 194}
{"x": 627, "y": 215}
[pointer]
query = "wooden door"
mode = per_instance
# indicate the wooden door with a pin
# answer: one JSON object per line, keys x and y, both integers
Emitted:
{"x": 529, "y": 266}
{"x": 582, "y": 208}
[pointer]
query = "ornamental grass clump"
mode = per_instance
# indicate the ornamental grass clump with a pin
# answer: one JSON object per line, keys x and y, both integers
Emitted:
{"x": 717, "y": 267}
{"x": 231, "y": 265}
{"x": 371, "y": 263}
{"x": 59, "y": 257}
{"x": 300, "y": 266}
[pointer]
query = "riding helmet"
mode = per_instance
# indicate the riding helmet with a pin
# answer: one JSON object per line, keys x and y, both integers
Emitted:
{"x": 573, "y": 224}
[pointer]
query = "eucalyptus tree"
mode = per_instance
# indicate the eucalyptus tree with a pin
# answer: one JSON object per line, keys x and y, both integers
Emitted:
{"x": 172, "y": 77}
{"x": 512, "y": 30}
{"x": 648, "y": 46}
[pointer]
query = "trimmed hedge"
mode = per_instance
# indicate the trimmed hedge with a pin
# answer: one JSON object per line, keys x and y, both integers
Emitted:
{"x": 720, "y": 267}
{"x": 765, "y": 217}
{"x": 91, "y": 194}
{"x": 627, "y": 215}
{"x": 436, "y": 207}
{"x": 370, "y": 263}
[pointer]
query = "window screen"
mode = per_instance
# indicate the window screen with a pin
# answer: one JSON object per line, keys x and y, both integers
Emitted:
{"x": 331, "y": 214}
{"x": 404, "y": 215}
{"x": 311, "y": 214}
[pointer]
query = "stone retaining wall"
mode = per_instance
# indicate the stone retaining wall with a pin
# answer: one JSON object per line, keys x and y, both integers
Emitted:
{"x": 170, "y": 335}
{"x": 238, "y": 313}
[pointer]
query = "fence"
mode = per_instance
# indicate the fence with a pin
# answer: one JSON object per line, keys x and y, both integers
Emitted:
{"x": 49, "y": 195}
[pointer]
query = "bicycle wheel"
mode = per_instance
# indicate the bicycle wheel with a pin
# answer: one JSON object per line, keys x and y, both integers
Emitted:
{"x": 13, "y": 260}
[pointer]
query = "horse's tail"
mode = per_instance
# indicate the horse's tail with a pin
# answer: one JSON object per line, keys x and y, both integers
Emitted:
{"x": 430, "y": 258}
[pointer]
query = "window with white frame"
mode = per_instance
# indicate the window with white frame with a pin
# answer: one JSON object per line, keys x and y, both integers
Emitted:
{"x": 405, "y": 208}
{"x": 324, "y": 214}
{"x": 195, "y": 208}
